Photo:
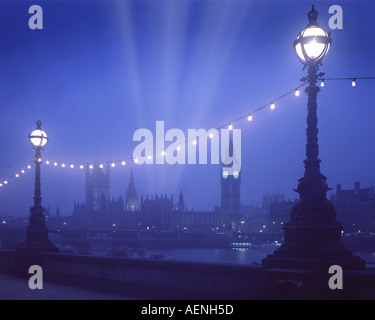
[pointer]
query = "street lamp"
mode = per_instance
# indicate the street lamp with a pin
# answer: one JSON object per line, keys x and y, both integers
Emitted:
{"x": 311, "y": 45}
{"x": 37, "y": 233}
{"x": 38, "y": 139}
{"x": 312, "y": 237}
{"x": 313, "y": 42}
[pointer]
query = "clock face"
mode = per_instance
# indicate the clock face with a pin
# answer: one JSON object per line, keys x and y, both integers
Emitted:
{"x": 236, "y": 174}
{"x": 225, "y": 174}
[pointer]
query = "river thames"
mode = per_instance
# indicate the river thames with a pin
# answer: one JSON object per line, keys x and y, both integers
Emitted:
{"x": 249, "y": 256}
{"x": 228, "y": 255}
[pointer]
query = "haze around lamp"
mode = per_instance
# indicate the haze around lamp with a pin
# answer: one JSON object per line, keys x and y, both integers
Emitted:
{"x": 313, "y": 43}
{"x": 38, "y": 137}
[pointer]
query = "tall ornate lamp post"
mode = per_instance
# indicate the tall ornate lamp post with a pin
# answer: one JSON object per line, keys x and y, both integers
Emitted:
{"x": 312, "y": 239}
{"x": 37, "y": 233}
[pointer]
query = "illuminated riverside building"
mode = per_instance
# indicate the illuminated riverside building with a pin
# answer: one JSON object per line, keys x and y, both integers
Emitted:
{"x": 153, "y": 213}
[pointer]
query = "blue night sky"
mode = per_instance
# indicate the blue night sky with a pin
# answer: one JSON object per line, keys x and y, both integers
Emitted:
{"x": 100, "y": 70}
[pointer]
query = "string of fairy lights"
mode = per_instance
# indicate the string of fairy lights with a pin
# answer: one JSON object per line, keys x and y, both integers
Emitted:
{"x": 353, "y": 80}
{"x": 210, "y": 134}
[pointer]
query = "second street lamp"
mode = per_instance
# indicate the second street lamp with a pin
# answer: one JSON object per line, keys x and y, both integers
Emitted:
{"x": 27, "y": 253}
{"x": 37, "y": 232}
{"x": 38, "y": 138}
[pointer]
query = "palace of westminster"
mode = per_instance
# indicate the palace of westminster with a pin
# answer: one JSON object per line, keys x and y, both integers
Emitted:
{"x": 355, "y": 209}
{"x": 157, "y": 213}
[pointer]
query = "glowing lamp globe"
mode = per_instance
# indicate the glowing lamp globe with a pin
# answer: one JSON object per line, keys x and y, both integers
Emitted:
{"x": 313, "y": 42}
{"x": 38, "y": 137}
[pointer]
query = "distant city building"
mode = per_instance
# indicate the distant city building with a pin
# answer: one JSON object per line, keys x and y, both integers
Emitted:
{"x": 270, "y": 199}
{"x": 131, "y": 196}
{"x": 181, "y": 204}
{"x": 157, "y": 213}
{"x": 252, "y": 218}
{"x": 278, "y": 213}
{"x": 97, "y": 189}
{"x": 355, "y": 208}
{"x": 231, "y": 191}
{"x": 199, "y": 221}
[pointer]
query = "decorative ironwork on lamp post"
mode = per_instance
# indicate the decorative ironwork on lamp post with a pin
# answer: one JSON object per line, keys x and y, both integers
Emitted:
{"x": 311, "y": 46}
{"x": 38, "y": 139}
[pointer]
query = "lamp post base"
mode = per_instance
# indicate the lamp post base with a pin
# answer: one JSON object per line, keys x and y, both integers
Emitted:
{"x": 308, "y": 250}
{"x": 313, "y": 243}
{"x": 27, "y": 256}
{"x": 28, "y": 252}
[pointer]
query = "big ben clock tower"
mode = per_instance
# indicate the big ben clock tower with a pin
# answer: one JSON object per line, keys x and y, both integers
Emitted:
{"x": 231, "y": 189}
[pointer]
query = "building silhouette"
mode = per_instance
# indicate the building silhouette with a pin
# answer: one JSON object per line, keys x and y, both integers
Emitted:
{"x": 355, "y": 208}
{"x": 98, "y": 211}
{"x": 154, "y": 213}
{"x": 269, "y": 199}
{"x": 97, "y": 189}
{"x": 278, "y": 213}
{"x": 157, "y": 213}
{"x": 131, "y": 196}
{"x": 181, "y": 207}
{"x": 231, "y": 189}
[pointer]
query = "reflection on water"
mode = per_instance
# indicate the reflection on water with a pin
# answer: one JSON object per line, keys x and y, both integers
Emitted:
{"x": 232, "y": 256}
{"x": 228, "y": 256}
{"x": 369, "y": 257}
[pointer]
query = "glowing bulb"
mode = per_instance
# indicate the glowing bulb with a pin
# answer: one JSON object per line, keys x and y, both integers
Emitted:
{"x": 113, "y": 165}
{"x": 81, "y": 166}
{"x": 211, "y": 135}
{"x": 91, "y": 166}
{"x": 63, "y": 165}
{"x": 101, "y": 166}
{"x": 123, "y": 163}
{"x": 22, "y": 171}
{"x": 195, "y": 142}
{"x": 39, "y": 160}
{"x": 297, "y": 93}
{"x": 28, "y": 166}
{"x": 149, "y": 157}
{"x": 1, "y": 184}
{"x": 17, "y": 175}
{"x": 322, "y": 84}
{"x": 353, "y": 83}
{"x": 230, "y": 127}
{"x": 72, "y": 166}
{"x": 47, "y": 161}
{"x": 250, "y": 118}
{"x": 272, "y": 106}
{"x": 178, "y": 148}
{"x": 136, "y": 160}
{"x": 55, "y": 164}
{"x": 5, "y": 182}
